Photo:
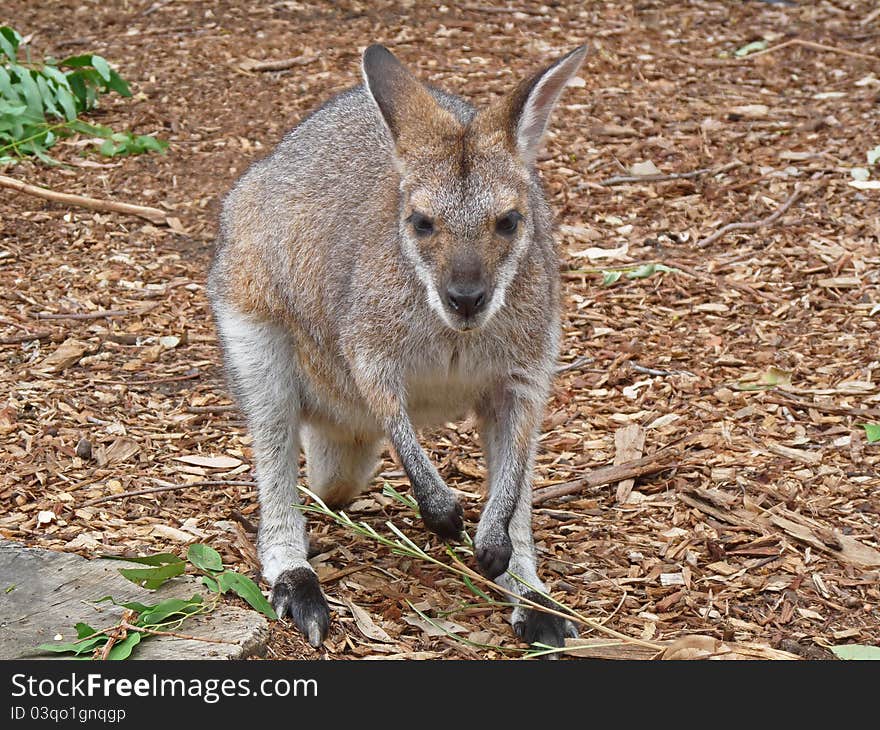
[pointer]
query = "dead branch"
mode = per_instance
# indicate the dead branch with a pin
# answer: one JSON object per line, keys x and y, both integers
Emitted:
{"x": 249, "y": 64}
{"x": 18, "y": 339}
{"x": 100, "y": 314}
{"x": 750, "y": 226}
{"x": 155, "y": 632}
{"x": 814, "y": 45}
{"x": 154, "y": 215}
{"x": 211, "y": 409}
{"x": 650, "y": 464}
{"x": 166, "y": 488}
{"x": 624, "y": 179}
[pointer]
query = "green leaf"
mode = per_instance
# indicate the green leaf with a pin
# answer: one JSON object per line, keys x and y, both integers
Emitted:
{"x": 152, "y": 578}
{"x": 170, "y": 607}
{"x": 101, "y": 66}
{"x": 96, "y": 130}
{"x": 118, "y": 85}
{"x": 77, "y": 61}
{"x": 248, "y": 590}
{"x": 77, "y": 647}
{"x": 750, "y": 48}
{"x": 157, "y": 559}
{"x": 204, "y": 557}
{"x": 83, "y": 630}
{"x": 31, "y": 91}
{"x": 473, "y": 589}
{"x": 9, "y": 42}
{"x": 857, "y": 651}
{"x": 147, "y": 143}
{"x": 47, "y": 96}
{"x": 110, "y": 148}
{"x": 57, "y": 76}
{"x": 7, "y": 91}
{"x": 123, "y": 649}
{"x": 874, "y": 155}
{"x": 68, "y": 103}
{"x": 646, "y": 270}
{"x": 872, "y": 432}
{"x": 211, "y": 584}
{"x": 609, "y": 277}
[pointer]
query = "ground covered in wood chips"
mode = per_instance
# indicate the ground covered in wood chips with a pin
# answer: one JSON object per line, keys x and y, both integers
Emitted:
{"x": 747, "y": 366}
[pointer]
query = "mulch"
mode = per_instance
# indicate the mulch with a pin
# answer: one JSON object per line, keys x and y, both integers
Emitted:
{"x": 749, "y": 365}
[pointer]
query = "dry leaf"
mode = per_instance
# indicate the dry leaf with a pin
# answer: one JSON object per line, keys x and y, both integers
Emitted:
{"x": 67, "y": 354}
{"x": 366, "y": 625}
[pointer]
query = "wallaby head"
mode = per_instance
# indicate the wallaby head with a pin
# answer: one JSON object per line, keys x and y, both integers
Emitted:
{"x": 468, "y": 196}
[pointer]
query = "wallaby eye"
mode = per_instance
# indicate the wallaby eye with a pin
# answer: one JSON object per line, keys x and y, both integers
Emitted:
{"x": 507, "y": 224}
{"x": 422, "y": 225}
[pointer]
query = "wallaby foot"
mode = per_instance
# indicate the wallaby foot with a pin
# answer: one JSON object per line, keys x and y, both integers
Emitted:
{"x": 537, "y": 627}
{"x": 297, "y": 593}
{"x": 443, "y": 516}
{"x": 493, "y": 553}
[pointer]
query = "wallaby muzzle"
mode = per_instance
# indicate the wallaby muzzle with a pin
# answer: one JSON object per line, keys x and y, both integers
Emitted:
{"x": 466, "y": 293}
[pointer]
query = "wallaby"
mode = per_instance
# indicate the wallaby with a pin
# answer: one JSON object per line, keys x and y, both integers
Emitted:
{"x": 391, "y": 265}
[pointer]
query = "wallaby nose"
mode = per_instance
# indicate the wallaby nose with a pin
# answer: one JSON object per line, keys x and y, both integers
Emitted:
{"x": 467, "y": 300}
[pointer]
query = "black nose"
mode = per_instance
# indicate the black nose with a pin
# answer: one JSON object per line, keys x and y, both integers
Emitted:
{"x": 466, "y": 300}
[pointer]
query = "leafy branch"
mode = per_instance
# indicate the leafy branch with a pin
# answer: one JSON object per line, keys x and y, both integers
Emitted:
{"x": 140, "y": 620}
{"x": 401, "y": 544}
{"x": 40, "y": 102}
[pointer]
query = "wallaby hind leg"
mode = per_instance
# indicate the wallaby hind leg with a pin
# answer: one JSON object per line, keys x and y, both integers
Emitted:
{"x": 259, "y": 358}
{"x": 338, "y": 468}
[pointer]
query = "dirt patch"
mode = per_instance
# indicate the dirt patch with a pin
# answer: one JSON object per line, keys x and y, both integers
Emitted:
{"x": 763, "y": 343}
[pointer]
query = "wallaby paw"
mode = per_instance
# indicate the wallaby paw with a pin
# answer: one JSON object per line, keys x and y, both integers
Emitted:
{"x": 297, "y": 593}
{"x": 538, "y": 627}
{"x": 446, "y": 521}
{"x": 493, "y": 556}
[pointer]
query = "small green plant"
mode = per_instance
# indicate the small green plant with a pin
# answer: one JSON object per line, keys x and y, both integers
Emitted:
{"x": 872, "y": 432}
{"x": 140, "y": 621}
{"x": 40, "y": 102}
{"x": 642, "y": 271}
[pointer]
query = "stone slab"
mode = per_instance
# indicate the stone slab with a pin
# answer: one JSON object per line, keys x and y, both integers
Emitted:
{"x": 44, "y": 593}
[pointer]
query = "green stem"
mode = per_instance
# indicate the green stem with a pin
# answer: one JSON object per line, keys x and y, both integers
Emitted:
{"x": 15, "y": 144}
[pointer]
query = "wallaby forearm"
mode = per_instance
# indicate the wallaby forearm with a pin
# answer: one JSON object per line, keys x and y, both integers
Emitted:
{"x": 440, "y": 511}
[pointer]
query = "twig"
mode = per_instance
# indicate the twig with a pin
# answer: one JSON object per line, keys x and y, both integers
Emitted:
{"x": 100, "y": 314}
{"x": 823, "y": 407}
{"x": 151, "y": 381}
{"x": 166, "y": 488}
{"x": 750, "y": 226}
{"x": 654, "y": 371}
{"x": 154, "y": 215}
{"x": 249, "y": 64}
{"x": 624, "y": 179}
{"x": 500, "y": 11}
{"x": 651, "y": 464}
{"x": 18, "y": 339}
{"x": 155, "y": 632}
{"x": 811, "y": 44}
{"x": 211, "y": 409}
{"x": 579, "y": 362}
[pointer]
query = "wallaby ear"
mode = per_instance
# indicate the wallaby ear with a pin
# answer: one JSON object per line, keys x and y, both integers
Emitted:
{"x": 411, "y": 113}
{"x": 525, "y": 113}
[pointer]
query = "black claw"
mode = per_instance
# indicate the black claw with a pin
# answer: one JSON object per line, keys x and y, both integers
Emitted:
{"x": 493, "y": 560}
{"x": 448, "y": 525}
{"x": 543, "y": 628}
{"x": 297, "y": 593}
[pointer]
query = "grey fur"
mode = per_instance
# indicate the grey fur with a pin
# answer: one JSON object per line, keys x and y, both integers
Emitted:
{"x": 335, "y": 330}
